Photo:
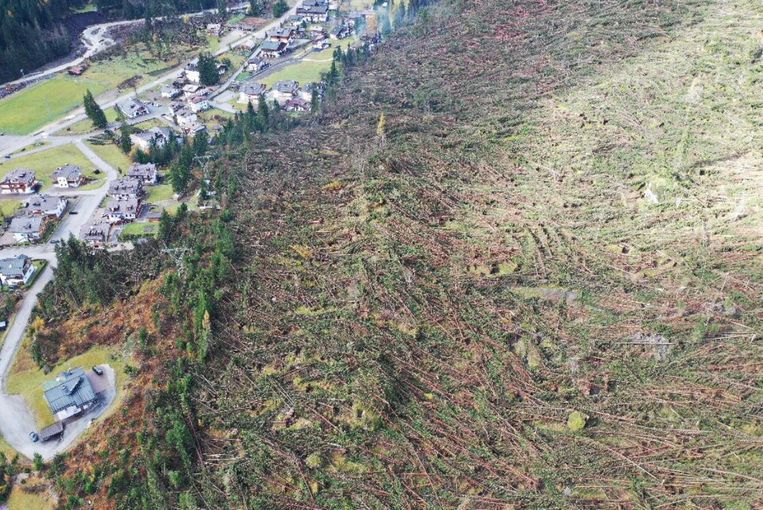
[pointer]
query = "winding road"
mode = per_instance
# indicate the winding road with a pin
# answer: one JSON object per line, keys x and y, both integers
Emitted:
{"x": 15, "y": 419}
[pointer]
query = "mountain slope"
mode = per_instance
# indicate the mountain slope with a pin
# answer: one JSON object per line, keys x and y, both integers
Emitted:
{"x": 536, "y": 282}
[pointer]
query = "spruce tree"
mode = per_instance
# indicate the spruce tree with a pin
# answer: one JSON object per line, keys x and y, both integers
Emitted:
{"x": 93, "y": 111}
{"x": 124, "y": 139}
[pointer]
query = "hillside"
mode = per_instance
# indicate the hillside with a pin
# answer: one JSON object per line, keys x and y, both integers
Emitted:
{"x": 558, "y": 229}
{"x": 513, "y": 262}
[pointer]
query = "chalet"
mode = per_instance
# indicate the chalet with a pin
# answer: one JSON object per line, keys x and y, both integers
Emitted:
{"x": 68, "y": 176}
{"x": 96, "y": 234}
{"x": 19, "y": 180}
{"x": 316, "y": 11}
{"x": 283, "y": 91}
{"x": 122, "y": 211}
{"x": 69, "y": 394}
{"x": 45, "y": 206}
{"x": 295, "y": 21}
{"x": 16, "y": 271}
{"x": 297, "y": 105}
{"x": 154, "y": 137}
{"x": 306, "y": 92}
{"x": 170, "y": 92}
{"x": 321, "y": 45}
{"x": 339, "y": 32}
{"x": 27, "y": 229}
{"x": 146, "y": 173}
{"x": 132, "y": 108}
{"x": 191, "y": 89}
{"x": 214, "y": 28}
{"x": 251, "y": 93}
{"x": 198, "y": 104}
{"x": 281, "y": 35}
{"x": 256, "y": 64}
{"x": 221, "y": 68}
{"x": 191, "y": 72}
{"x": 185, "y": 118}
{"x": 125, "y": 188}
{"x": 77, "y": 70}
{"x": 272, "y": 49}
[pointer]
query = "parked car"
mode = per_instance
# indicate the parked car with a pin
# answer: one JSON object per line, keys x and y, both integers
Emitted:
{"x": 73, "y": 212}
{"x": 98, "y": 370}
{"x": 34, "y": 437}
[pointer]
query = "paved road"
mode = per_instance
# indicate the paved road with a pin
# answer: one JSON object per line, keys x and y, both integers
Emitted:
{"x": 15, "y": 419}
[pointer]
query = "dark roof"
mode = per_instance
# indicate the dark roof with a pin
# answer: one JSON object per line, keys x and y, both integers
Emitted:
{"x": 71, "y": 388}
{"x": 273, "y": 45}
{"x": 51, "y": 431}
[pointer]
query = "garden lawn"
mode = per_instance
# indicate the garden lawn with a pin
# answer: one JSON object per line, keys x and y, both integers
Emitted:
{"x": 9, "y": 207}
{"x": 310, "y": 68}
{"x": 159, "y": 193}
{"x": 21, "y": 499}
{"x": 140, "y": 229}
{"x": 112, "y": 155}
{"x": 86, "y": 126}
{"x": 27, "y": 379}
{"x": 44, "y": 163}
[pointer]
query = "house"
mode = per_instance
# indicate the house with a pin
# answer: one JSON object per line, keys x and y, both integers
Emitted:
{"x": 185, "y": 118}
{"x": 221, "y": 68}
{"x": 339, "y": 32}
{"x": 123, "y": 210}
{"x": 272, "y": 49}
{"x": 44, "y": 205}
{"x": 294, "y": 21}
{"x": 69, "y": 394}
{"x": 297, "y": 105}
{"x": 306, "y": 92}
{"x": 316, "y": 11}
{"x": 77, "y": 70}
{"x": 19, "y": 180}
{"x": 191, "y": 72}
{"x": 96, "y": 234}
{"x": 198, "y": 104}
{"x": 247, "y": 24}
{"x": 132, "y": 108}
{"x": 191, "y": 88}
{"x": 256, "y": 64}
{"x": 26, "y": 229}
{"x": 283, "y": 91}
{"x": 125, "y": 188}
{"x": 16, "y": 271}
{"x": 146, "y": 173}
{"x": 281, "y": 35}
{"x": 170, "y": 92}
{"x": 68, "y": 176}
{"x": 321, "y": 45}
{"x": 214, "y": 28}
{"x": 251, "y": 93}
{"x": 156, "y": 136}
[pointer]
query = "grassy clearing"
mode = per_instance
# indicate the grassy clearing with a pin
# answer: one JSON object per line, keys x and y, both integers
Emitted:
{"x": 214, "y": 117}
{"x": 310, "y": 68}
{"x": 44, "y": 163}
{"x": 27, "y": 380}
{"x": 24, "y": 497}
{"x": 112, "y": 155}
{"x": 40, "y": 104}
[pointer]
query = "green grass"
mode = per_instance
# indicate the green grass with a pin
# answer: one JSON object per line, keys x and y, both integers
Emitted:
{"x": 42, "y": 103}
{"x": 159, "y": 193}
{"x": 213, "y": 44}
{"x": 112, "y": 155}
{"x": 310, "y": 68}
{"x": 9, "y": 207}
{"x": 139, "y": 229}
{"x": 29, "y": 382}
{"x": 44, "y": 163}
{"x": 86, "y": 126}
{"x": 23, "y": 500}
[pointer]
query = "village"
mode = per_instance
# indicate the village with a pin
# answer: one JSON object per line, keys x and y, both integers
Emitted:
{"x": 80, "y": 183}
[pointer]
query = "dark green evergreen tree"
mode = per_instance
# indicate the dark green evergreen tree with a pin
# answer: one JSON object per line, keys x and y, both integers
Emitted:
{"x": 93, "y": 111}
